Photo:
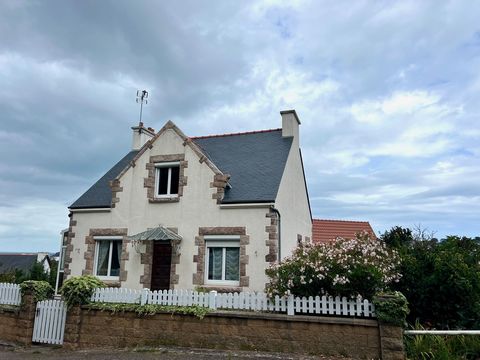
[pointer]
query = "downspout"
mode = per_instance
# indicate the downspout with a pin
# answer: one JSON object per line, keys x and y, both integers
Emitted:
{"x": 279, "y": 227}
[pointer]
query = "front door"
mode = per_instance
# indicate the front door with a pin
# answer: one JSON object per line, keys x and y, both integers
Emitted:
{"x": 162, "y": 260}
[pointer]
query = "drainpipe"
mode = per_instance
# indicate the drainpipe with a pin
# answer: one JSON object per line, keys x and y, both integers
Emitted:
{"x": 279, "y": 231}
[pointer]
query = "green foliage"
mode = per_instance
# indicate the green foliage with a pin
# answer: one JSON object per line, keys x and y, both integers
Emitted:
{"x": 441, "y": 280}
{"x": 17, "y": 276}
{"x": 356, "y": 267}
{"x": 453, "y": 347}
{"x": 41, "y": 290}
{"x": 52, "y": 278}
{"x": 397, "y": 237}
{"x": 149, "y": 309}
{"x": 8, "y": 277}
{"x": 391, "y": 308}
{"x": 79, "y": 289}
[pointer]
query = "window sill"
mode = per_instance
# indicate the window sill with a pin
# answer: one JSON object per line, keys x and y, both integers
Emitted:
{"x": 111, "y": 282}
{"x": 222, "y": 288}
{"x": 164, "y": 200}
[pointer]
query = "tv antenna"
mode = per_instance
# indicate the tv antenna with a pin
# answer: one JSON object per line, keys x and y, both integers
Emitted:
{"x": 142, "y": 96}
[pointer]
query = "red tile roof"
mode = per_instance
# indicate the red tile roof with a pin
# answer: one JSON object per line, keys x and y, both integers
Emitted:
{"x": 328, "y": 230}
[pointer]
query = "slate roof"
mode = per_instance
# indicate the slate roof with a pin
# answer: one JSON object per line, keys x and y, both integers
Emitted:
{"x": 255, "y": 161}
{"x": 9, "y": 262}
{"x": 100, "y": 194}
{"x": 324, "y": 231}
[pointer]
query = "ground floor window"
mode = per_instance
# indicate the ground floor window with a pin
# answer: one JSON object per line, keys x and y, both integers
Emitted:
{"x": 107, "y": 259}
{"x": 222, "y": 260}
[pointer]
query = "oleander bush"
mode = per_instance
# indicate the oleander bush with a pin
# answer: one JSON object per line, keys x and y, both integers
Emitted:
{"x": 347, "y": 267}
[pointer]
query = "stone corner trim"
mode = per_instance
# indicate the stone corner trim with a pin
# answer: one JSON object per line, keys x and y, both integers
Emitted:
{"x": 149, "y": 181}
{"x": 89, "y": 254}
{"x": 116, "y": 188}
{"x": 272, "y": 242}
{"x": 69, "y": 246}
{"x": 146, "y": 259}
{"x": 220, "y": 182}
{"x": 199, "y": 275}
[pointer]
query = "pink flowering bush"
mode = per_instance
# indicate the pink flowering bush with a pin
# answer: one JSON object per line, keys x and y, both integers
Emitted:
{"x": 356, "y": 267}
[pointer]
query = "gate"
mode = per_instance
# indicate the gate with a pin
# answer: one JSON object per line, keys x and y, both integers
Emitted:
{"x": 49, "y": 324}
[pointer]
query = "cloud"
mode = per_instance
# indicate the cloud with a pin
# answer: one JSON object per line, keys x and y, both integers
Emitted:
{"x": 387, "y": 94}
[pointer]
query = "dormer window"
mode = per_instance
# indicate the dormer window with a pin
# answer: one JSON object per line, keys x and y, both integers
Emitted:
{"x": 167, "y": 176}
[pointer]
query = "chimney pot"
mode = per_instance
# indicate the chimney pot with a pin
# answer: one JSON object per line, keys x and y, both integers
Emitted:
{"x": 141, "y": 135}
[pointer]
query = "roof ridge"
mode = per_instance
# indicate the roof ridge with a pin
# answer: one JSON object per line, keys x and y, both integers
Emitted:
{"x": 354, "y": 221}
{"x": 233, "y": 134}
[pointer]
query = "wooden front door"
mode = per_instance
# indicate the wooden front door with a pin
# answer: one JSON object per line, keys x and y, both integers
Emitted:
{"x": 162, "y": 260}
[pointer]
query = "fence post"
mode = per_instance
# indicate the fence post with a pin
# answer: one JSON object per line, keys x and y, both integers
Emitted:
{"x": 144, "y": 296}
{"x": 212, "y": 300}
{"x": 290, "y": 305}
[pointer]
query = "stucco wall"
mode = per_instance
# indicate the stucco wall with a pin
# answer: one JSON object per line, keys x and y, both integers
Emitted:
{"x": 195, "y": 209}
{"x": 292, "y": 203}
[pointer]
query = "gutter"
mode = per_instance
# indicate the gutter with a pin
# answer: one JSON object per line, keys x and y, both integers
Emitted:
{"x": 77, "y": 210}
{"x": 279, "y": 227}
{"x": 245, "y": 205}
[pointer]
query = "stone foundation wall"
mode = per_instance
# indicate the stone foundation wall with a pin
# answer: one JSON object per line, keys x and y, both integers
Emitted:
{"x": 16, "y": 323}
{"x": 356, "y": 338}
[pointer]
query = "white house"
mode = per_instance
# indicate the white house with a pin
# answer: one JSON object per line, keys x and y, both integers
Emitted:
{"x": 185, "y": 212}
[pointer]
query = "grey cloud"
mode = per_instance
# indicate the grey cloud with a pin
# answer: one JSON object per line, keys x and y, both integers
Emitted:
{"x": 69, "y": 71}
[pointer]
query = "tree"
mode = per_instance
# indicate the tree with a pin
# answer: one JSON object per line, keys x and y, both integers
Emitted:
{"x": 441, "y": 279}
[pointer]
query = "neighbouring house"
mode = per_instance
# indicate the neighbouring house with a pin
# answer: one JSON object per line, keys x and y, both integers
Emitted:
{"x": 186, "y": 212}
{"x": 23, "y": 261}
{"x": 326, "y": 231}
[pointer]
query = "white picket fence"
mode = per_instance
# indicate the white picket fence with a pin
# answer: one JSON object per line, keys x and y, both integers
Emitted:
{"x": 319, "y": 305}
{"x": 49, "y": 326}
{"x": 10, "y": 294}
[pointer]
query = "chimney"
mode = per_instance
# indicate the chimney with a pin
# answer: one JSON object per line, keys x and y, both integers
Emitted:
{"x": 290, "y": 123}
{"x": 141, "y": 135}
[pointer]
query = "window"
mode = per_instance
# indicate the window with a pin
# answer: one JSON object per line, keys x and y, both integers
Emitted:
{"x": 107, "y": 259}
{"x": 222, "y": 260}
{"x": 167, "y": 177}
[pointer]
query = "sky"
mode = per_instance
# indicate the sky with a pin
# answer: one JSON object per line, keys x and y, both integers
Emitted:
{"x": 387, "y": 93}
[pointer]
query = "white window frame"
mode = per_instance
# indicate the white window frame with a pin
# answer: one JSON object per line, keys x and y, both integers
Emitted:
{"x": 111, "y": 239}
{"x": 221, "y": 241}
{"x": 168, "y": 165}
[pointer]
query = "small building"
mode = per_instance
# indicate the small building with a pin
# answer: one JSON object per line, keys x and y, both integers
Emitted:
{"x": 24, "y": 262}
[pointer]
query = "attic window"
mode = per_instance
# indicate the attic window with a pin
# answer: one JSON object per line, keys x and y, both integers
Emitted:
{"x": 167, "y": 176}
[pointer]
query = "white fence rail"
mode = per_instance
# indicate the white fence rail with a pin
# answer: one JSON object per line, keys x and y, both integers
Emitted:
{"x": 10, "y": 294}
{"x": 318, "y": 305}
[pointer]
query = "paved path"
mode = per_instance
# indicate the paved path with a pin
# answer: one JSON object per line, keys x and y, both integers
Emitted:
{"x": 162, "y": 353}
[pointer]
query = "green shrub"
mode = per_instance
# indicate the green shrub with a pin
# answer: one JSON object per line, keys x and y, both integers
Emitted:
{"x": 79, "y": 289}
{"x": 391, "y": 308}
{"x": 151, "y": 309}
{"x": 441, "y": 279}
{"x": 356, "y": 267}
{"x": 442, "y": 347}
{"x": 41, "y": 290}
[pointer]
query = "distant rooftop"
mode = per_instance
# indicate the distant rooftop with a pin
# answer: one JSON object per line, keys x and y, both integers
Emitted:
{"x": 324, "y": 231}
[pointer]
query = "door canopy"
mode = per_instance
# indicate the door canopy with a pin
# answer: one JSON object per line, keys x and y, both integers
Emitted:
{"x": 160, "y": 233}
